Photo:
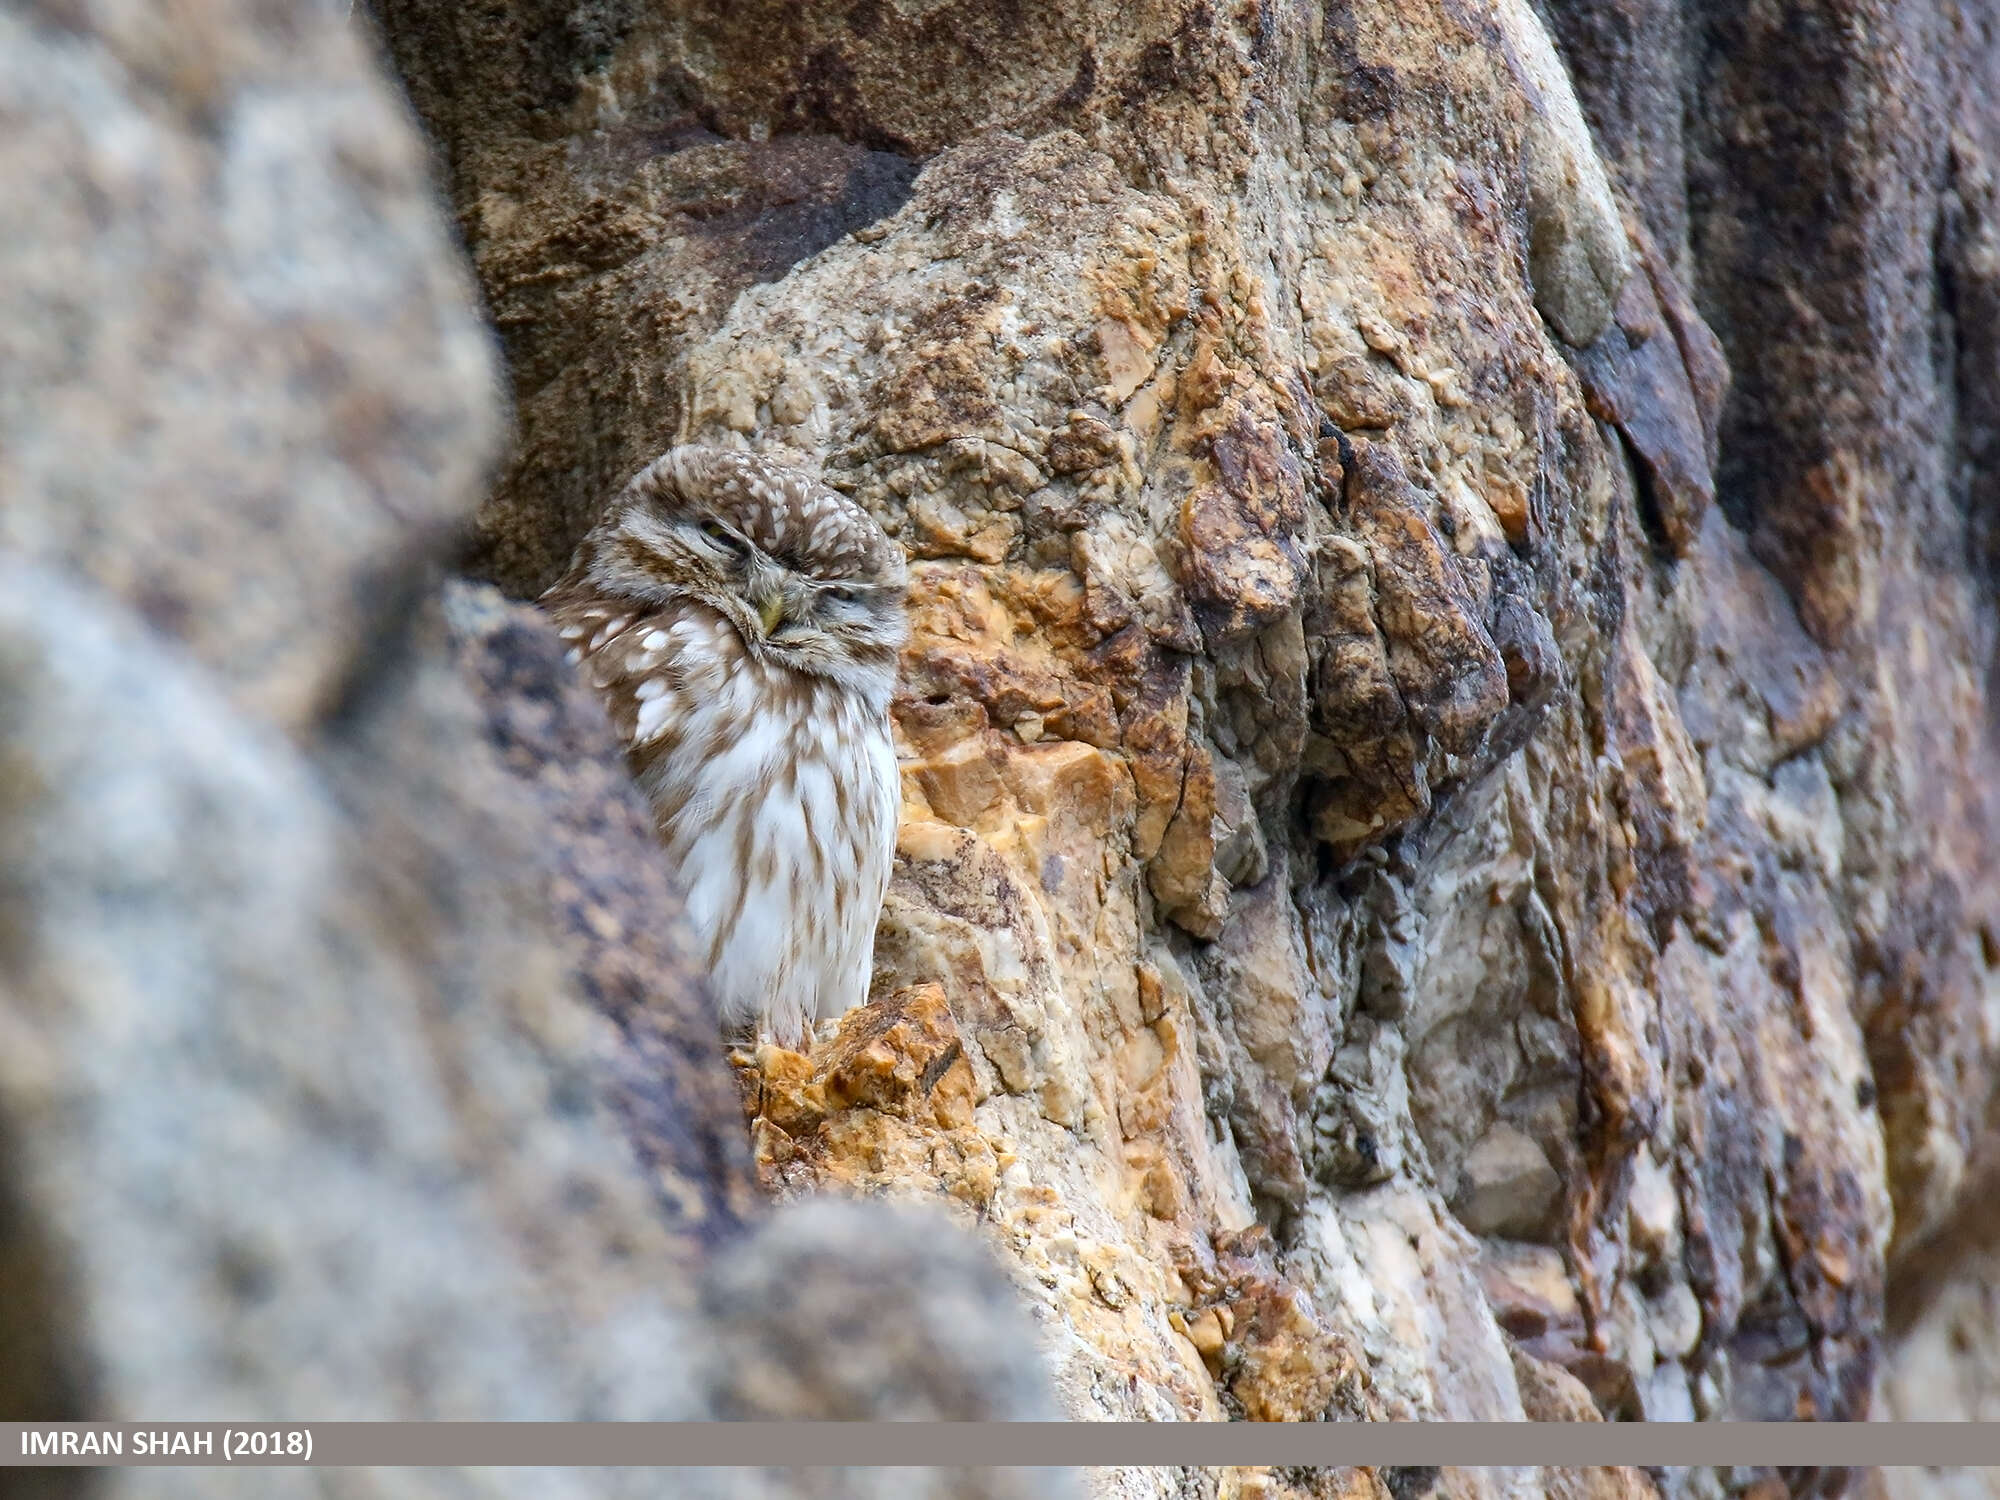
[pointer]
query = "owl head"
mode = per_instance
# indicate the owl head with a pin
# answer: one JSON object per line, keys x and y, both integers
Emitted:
{"x": 805, "y": 575}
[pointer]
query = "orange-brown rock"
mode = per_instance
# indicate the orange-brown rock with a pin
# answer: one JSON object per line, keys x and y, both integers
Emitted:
{"x": 890, "y": 1087}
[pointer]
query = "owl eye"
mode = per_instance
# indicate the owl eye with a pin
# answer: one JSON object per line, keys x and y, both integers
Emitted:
{"x": 844, "y": 595}
{"x": 727, "y": 540}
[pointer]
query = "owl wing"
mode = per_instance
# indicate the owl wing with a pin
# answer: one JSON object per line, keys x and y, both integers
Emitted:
{"x": 657, "y": 669}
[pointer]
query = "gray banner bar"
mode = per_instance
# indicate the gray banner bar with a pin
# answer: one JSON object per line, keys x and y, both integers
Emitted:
{"x": 996, "y": 1444}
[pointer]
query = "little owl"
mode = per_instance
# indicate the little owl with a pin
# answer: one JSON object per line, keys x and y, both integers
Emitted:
{"x": 742, "y": 622}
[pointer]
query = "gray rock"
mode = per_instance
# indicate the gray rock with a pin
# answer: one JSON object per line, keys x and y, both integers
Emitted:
{"x": 243, "y": 372}
{"x": 839, "y": 1311}
{"x": 1507, "y": 1187}
{"x": 249, "y": 1126}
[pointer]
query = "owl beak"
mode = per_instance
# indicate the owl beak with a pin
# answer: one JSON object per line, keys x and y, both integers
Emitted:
{"x": 770, "y": 611}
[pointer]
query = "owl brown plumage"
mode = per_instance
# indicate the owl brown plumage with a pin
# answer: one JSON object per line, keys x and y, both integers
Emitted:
{"x": 743, "y": 621}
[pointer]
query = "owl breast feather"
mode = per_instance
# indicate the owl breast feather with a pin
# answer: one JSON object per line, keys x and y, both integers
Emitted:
{"x": 776, "y": 796}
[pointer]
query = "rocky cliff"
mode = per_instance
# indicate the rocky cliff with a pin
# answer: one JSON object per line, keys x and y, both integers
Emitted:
{"x": 1448, "y": 860}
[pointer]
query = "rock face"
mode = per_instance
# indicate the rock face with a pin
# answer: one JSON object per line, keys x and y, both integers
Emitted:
{"x": 1448, "y": 865}
{"x": 1449, "y": 853}
{"x": 350, "y": 1065}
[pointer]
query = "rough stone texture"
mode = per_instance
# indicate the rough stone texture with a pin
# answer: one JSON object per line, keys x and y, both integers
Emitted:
{"x": 221, "y": 1191}
{"x": 1452, "y": 596}
{"x": 1453, "y": 556}
{"x": 616, "y": 904}
{"x": 350, "y": 1066}
{"x": 853, "y": 1312}
{"x": 1942, "y": 1363}
{"x": 235, "y": 284}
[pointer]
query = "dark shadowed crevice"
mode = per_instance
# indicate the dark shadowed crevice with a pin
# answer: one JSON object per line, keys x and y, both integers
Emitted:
{"x": 39, "y": 1380}
{"x": 1625, "y": 57}
{"x": 1967, "y": 260}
